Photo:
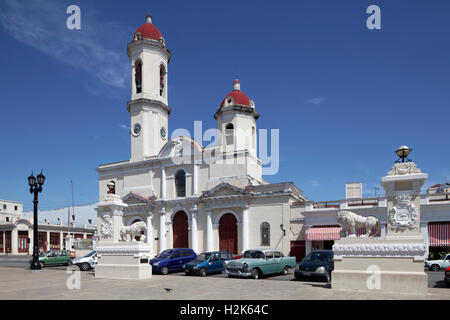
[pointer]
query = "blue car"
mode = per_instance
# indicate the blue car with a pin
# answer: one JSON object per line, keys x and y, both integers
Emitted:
{"x": 172, "y": 260}
{"x": 207, "y": 262}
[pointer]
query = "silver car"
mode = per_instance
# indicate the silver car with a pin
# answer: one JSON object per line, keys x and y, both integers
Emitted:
{"x": 87, "y": 262}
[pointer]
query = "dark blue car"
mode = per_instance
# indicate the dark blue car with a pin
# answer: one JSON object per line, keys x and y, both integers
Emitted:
{"x": 207, "y": 262}
{"x": 172, "y": 260}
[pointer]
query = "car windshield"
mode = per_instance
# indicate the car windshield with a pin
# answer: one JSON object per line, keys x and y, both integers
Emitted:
{"x": 90, "y": 254}
{"x": 203, "y": 257}
{"x": 252, "y": 254}
{"x": 45, "y": 253}
{"x": 165, "y": 254}
{"x": 318, "y": 256}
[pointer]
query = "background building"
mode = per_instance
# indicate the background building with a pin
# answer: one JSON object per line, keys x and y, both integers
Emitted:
{"x": 319, "y": 227}
{"x": 16, "y": 227}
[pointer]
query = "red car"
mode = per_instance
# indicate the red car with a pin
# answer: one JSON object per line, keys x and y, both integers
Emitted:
{"x": 447, "y": 277}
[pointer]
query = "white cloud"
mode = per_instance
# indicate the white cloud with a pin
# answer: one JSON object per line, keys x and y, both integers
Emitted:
{"x": 124, "y": 126}
{"x": 95, "y": 49}
{"x": 314, "y": 183}
{"x": 316, "y": 101}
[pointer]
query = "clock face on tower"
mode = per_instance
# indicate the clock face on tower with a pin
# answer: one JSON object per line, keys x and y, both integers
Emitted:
{"x": 163, "y": 132}
{"x": 136, "y": 129}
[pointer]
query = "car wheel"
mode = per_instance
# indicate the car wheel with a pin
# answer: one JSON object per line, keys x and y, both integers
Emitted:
{"x": 84, "y": 266}
{"x": 285, "y": 270}
{"x": 203, "y": 272}
{"x": 42, "y": 265}
{"x": 255, "y": 274}
{"x": 435, "y": 267}
{"x": 448, "y": 284}
{"x": 164, "y": 270}
{"x": 328, "y": 278}
{"x": 299, "y": 278}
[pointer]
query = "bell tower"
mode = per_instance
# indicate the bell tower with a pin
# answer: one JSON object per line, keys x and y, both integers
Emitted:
{"x": 148, "y": 107}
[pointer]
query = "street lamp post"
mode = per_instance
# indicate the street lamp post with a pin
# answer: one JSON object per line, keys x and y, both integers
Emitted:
{"x": 35, "y": 188}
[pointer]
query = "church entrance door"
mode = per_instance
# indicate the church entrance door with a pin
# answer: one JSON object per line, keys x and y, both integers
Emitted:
{"x": 228, "y": 236}
{"x": 180, "y": 230}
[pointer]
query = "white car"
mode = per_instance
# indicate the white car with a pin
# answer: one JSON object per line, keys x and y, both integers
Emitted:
{"x": 87, "y": 262}
{"x": 436, "y": 265}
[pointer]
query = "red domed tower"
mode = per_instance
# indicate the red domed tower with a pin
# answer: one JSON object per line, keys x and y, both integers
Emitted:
{"x": 148, "y": 107}
{"x": 236, "y": 122}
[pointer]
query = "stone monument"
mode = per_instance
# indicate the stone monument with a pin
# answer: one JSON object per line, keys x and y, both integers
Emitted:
{"x": 394, "y": 263}
{"x": 120, "y": 255}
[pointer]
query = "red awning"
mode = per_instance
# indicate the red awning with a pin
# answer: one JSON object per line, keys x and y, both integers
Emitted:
{"x": 439, "y": 234}
{"x": 323, "y": 233}
{"x": 328, "y": 233}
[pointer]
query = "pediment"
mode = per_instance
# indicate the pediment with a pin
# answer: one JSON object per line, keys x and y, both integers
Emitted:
{"x": 134, "y": 198}
{"x": 224, "y": 189}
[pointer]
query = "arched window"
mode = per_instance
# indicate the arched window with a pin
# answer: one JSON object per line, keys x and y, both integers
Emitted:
{"x": 265, "y": 234}
{"x": 138, "y": 76}
{"x": 180, "y": 183}
{"x": 162, "y": 79}
{"x": 229, "y": 134}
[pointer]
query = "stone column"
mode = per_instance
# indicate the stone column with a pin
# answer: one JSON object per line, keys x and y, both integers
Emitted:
{"x": 14, "y": 241}
{"x": 162, "y": 229}
{"x": 245, "y": 228}
{"x": 163, "y": 183}
{"x": 209, "y": 232}
{"x": 195, "y": 180}
{"x": 194, "y": 235}
{"x": 48, "y": 241}
{"x": 149, "y": 235}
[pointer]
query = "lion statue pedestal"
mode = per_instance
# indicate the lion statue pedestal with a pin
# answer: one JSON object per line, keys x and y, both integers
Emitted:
{"x": 120, "y": 255}
{"x": 394, "y": 263}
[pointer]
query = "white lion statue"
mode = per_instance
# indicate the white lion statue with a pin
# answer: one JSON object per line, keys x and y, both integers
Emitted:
{"x": 350, "y": 222}
{"x": 128, "y": 233}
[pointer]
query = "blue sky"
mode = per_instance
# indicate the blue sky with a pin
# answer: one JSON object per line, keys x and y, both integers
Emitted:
{"x": 344, "y": 97}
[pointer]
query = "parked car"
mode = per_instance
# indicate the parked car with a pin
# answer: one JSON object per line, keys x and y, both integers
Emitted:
{"x": 87, "y": 262}
{"x": 256, "y": 263}
{"x": 436, "y": 265}
{"x": 54, "y": 257}
{"x": 171, "y": 260}
{"x": 447, "y": 277}
{"x": 207, "y": 262}
{"x": 318, "y": 264}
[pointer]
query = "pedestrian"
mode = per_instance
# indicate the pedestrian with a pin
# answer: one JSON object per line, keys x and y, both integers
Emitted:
{"x": 41, "y": 251}
{"x": 73, "y": 253}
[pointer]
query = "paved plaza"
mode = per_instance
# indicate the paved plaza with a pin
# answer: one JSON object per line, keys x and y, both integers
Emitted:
{"x": 51, "y": 284}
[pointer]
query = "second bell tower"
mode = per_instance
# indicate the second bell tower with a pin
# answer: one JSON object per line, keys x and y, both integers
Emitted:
{"x": 148, "y": 107}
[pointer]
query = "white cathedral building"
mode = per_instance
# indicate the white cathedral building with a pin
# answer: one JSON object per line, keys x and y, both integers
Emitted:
{"x": 204, "y": 198}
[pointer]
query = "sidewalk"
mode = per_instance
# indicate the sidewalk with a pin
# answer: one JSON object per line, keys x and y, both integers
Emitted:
{"x": 17, "y": 283}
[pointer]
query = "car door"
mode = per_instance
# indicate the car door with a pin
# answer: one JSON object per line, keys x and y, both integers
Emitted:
{"x": 52, "y": 258}
{"x": 278, "y": 261}
{"x": 175, "y": 261}
{"x": 268, "y": 266}
{"x": 446, "y": 263}
{"x": 188, "y": 256}
{"x": 215, "y": 262}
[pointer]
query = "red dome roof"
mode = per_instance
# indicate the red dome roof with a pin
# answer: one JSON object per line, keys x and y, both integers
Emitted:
{"x": 238, "y": 96}
{"x": 148, "y": 30}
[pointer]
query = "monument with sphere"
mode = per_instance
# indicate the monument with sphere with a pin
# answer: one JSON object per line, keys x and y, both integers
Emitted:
{"x": 394, "y": 263}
